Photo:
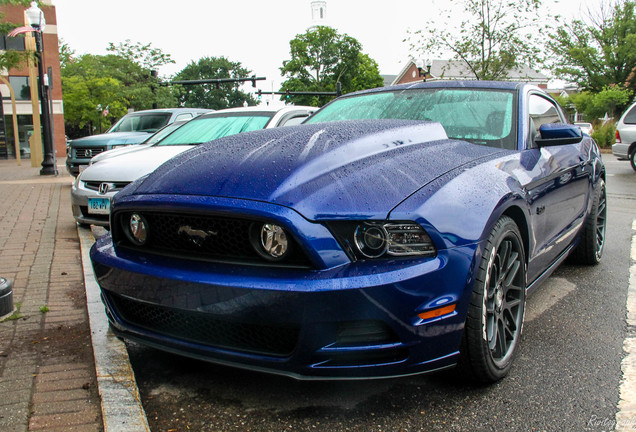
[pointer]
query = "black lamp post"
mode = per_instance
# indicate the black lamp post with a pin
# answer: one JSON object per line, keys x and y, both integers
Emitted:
{"x": 37, "y": 22}
{"x": 419, "y": 64}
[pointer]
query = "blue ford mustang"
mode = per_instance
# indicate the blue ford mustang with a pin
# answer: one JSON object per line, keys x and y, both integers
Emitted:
{"x": 397, "y": 231}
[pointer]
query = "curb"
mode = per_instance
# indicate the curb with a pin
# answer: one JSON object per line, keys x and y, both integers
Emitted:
{"x": 626, "y": 415}
{"x": 121, "y": 404}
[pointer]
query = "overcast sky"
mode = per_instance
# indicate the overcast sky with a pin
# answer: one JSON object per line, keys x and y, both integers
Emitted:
{"x": 254, "y": 32}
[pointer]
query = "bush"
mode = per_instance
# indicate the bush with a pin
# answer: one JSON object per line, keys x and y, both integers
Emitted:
{"x": 605, "y": 134}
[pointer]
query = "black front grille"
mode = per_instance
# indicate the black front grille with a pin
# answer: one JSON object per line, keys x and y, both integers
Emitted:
{"x": 116, "y": 186}
{"x": 205, "y": 329}
{"x": 87, "y": 152}
{"x": 206, "y": 237}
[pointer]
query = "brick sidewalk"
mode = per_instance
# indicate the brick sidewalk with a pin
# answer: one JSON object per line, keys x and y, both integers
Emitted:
{"x": 47, "y": 371}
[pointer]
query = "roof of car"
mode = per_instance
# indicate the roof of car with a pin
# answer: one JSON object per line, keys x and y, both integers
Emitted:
{"x": 261, "y": 109}
{"x": 503, "y": 85}
{"x": 171, "y": 110}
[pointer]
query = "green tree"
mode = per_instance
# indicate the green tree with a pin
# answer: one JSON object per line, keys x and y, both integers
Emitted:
{"x": 320, "y": 58}
{"x": 10, "y": 58}
{"x": 498, "y": 37}
{"x": 85, "y": 98}
{"x": 143, "y": 55}
{"x": 223, "y": 95}
{"x": 93, "y": 81}
{"x": 599, "y": 51}
{"x": 66, "y": 53}
{"x": 611, "y": 100}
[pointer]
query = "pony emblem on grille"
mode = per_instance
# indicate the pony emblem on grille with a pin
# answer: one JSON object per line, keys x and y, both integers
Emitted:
{"x": 196, "y": 236}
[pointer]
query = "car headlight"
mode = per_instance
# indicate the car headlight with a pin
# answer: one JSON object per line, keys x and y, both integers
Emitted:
{"x": 371, "y": 239}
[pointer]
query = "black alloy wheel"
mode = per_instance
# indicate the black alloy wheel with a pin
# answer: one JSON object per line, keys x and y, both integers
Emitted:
{"x": 601, "y": 221}
{"x": 592, "y": 243}
{"x": 495, "y": 314}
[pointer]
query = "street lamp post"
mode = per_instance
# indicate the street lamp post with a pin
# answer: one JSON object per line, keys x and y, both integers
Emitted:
{"x": 420, "y": 64}
{"x": 37, "y": 22}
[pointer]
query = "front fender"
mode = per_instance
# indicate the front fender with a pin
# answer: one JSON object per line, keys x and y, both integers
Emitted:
{"x": 461, "y": 207}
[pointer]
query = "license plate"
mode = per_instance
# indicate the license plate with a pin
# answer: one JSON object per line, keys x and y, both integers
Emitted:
{"x": 99, "y": 206}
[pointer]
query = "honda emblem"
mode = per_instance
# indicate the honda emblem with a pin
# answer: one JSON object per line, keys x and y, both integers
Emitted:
{"x": 105, "y": 187}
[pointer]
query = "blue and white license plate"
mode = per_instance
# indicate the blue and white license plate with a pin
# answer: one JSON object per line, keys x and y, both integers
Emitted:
{"x": 99, "y": 206}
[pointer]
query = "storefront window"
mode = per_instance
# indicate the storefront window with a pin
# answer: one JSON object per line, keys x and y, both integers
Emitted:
{"x": 21, "y": 87}
{"x": 25, "y": 130}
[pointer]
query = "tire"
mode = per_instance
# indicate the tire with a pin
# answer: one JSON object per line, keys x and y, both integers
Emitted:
{"x": 632, "y": 159}
{"x": 590, "y": 249}
{"x": 495, "y": 315}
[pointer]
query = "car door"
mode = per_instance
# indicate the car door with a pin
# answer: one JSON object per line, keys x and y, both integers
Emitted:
{"x": 556, "y": 185}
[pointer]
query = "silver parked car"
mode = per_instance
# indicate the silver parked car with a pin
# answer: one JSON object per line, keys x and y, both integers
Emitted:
{"x": 153, "y": 139}
{"x": 131, "y": 129}
{"x": 625, "y": 147}
{"x": 585, "y": 127}
{"x": 95, "y": 186}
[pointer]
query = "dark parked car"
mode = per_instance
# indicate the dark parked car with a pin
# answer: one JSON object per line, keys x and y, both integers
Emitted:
{"x": 397, "y": 231}
{"x": 133, "y": 128}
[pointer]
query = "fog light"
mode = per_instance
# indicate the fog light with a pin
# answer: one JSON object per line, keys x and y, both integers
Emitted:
{"x": 273, "y": 241}
{"x": 138, "y": 228}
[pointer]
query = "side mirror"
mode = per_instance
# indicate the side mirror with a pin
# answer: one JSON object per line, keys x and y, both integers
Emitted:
{"x": 556, "y": 134}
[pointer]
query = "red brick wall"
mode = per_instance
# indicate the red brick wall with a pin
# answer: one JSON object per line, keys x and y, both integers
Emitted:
{"x": 15, "y": 14}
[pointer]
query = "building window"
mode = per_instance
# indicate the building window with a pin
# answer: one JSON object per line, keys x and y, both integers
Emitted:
{"x": 25, "y": 130}
{"x": 11, "y": 43}
{"x": 21, "y": 87}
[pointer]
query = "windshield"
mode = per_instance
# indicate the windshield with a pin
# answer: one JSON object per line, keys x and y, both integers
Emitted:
{"x": 204, "y": 129}
{"x": 481, "y": 116}
{"x": 141, "y": 122}
{"x": 162, "y": 133}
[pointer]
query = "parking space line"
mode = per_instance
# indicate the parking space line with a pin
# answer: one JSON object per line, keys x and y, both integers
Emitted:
{"x": 121, "y": 405}
{"x": 626, "y": 415}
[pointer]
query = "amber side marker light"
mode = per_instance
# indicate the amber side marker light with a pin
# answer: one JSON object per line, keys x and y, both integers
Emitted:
{"x": 444, "y": 310}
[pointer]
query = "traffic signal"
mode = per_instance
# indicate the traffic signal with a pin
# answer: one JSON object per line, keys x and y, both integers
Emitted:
{"x": 260, "y": 94}
{"x": 287, "y": 93}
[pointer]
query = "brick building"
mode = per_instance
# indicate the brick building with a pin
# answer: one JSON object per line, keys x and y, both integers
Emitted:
{"x": 457, "y": 70}
{"x": 21, "y": 80}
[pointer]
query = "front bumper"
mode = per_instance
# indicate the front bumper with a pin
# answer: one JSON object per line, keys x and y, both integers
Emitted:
{"x": 359, "y": 320}
{"x": 79, "y": 205}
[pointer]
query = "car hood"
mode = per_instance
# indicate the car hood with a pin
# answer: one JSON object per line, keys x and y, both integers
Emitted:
{"x": 130, "y": 166}
{"x": 118, "y": 152}
{"x": 113, "y": 138}
{"x": 325, "y": 170}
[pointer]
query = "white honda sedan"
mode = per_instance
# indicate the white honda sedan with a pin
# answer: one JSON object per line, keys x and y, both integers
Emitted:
{"x": 95, "y": 186}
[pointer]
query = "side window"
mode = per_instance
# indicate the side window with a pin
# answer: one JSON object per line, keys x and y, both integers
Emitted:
{"x": 293, "y": 121}
{"x": 184, "y": 116}
{"x": 630, "y": 117}
{"x": 543, "y": 111}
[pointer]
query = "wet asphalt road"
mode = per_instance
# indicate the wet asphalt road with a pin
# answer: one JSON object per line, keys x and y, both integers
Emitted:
{"x": 566, "y": 376}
